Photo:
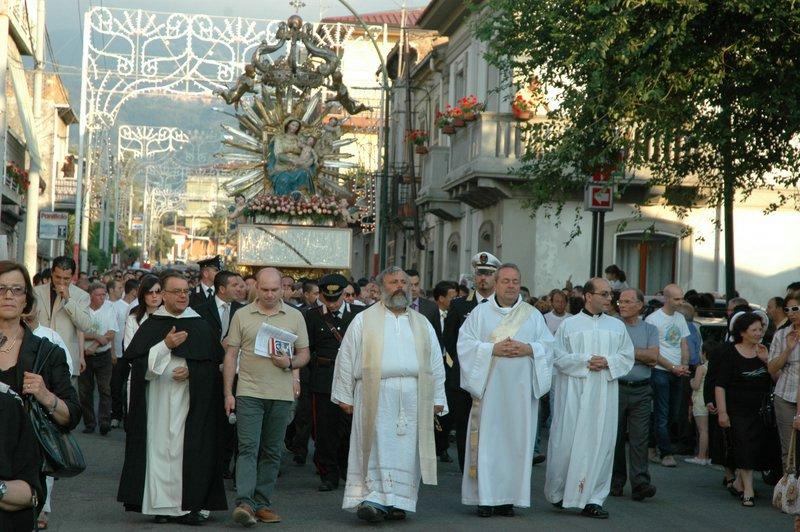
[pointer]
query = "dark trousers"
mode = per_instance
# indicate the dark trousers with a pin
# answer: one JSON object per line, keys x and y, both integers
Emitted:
{"x": 633, "y": 427}
{"x": 299, "y": 430}
{"x": 460, "y": 409}
{"x": 331, "y": 429}
{"x": 98, "y": 369}
{"x": 119, "y": 387}
{"x": 230, "y": 442}
{"x": 666, "y": 405}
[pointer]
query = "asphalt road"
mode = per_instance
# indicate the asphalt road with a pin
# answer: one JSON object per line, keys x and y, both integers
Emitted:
{"x": 689, "y": 498}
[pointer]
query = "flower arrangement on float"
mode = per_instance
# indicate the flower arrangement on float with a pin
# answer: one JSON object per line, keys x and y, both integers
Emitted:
{"x": 321, "y": 210}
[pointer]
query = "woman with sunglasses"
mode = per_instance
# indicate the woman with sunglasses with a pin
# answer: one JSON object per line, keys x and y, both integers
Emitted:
{"x": 147, "y": 301}
{"x": 50, "y": 387}
{"x": 784, "y": 366}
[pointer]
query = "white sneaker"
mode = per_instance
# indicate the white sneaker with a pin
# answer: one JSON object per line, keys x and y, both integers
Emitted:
{"x": 668, "y": 461}
{"x": 696, "y": 461}
{"x": 114, "y": 423}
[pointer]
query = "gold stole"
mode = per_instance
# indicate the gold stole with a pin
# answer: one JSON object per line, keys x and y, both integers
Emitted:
{"x": 371, "y": 357}
{"x": 507, "y": 328}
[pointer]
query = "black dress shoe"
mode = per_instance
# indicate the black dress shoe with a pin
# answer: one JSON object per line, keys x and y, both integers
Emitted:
{"x": 485, "y": 511}
{"x": 88, "y": 430}
{"x": 327, "y": 486}
{"x": 594, "y": 511}
{"x": 616, "y": 491}
{"x": 370, "y": 514}
{"x": 299, "y": 460}
{"x": 395, "y": 514}
{"x": 191, "y": 519}
{"x": 104, "y": 429}
{"x": 643, "y": 491}
{"x": 444, "y": 457}
{"x": 538, "y": 459}
{"x": 161, "y": 519}
{"x": 559, "y": 505}
{"x": 506, "y": 510}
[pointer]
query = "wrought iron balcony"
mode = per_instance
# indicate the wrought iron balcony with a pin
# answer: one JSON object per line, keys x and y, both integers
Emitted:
{"x": 65, "y": 192}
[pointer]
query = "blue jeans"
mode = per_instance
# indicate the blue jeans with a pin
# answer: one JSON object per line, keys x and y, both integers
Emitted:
{"x": 666, "y": 403}
{"x": 260, "y": 427}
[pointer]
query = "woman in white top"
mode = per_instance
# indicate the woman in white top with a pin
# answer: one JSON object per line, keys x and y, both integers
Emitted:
{"x": 784, "y": 366}
{"x": 149, "y": 299}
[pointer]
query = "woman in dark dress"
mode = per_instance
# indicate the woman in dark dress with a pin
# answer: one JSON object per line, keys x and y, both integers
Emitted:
{"x": 51, "y": 387}
{"x": 20, "y": 465}
{"x": 742, "y": 383}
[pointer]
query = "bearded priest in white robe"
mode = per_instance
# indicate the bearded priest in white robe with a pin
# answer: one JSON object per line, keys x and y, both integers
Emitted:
{"x": 592, "y": 351}
{"x": 505, "y": 350}
{"x": 389, "y": 375}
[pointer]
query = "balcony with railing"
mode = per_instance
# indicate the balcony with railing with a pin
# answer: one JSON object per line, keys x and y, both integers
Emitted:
{"x": 431, "y": 196}
{"x": 12, "y": 191}
{"x": 65, "y": 193}
{"x": 482, "y": 158}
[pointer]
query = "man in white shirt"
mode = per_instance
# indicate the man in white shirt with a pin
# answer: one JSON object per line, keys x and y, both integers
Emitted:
{"x": 99, "y": 356}
{"x": 673, "y": 364}
{"x": 121, "y": 295}
{"x": 559, "y": 312}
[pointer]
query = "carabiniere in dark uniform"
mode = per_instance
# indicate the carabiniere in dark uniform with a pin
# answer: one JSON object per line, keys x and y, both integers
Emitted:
{"x": 331, "y": 426}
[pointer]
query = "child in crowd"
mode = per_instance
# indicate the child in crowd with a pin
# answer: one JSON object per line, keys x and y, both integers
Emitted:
{"x": 700, "y": 412}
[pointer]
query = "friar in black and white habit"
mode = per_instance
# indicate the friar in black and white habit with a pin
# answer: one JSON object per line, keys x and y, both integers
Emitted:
{"x": 173, "y": 466}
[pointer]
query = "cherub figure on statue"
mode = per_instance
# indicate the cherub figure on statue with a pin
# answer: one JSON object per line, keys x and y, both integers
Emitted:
{"x": 246, "y": 83}
{"x": 308, "y": 157}
{"x": 343, "y": 95}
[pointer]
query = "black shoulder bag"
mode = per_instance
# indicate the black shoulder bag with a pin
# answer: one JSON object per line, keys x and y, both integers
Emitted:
{"x": 62, "y": 455}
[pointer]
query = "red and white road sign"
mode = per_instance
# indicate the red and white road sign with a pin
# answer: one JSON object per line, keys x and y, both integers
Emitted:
{"x": 599, "y": 198}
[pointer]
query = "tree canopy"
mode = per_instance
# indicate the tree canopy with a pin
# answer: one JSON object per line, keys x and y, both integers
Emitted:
{"x": 702, "y": 93}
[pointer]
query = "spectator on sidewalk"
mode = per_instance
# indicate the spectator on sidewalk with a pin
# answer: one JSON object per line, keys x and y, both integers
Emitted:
{"x": 100, "y": 359}
{"x": 673, "y": 364}
{"x": 64, "y": 308}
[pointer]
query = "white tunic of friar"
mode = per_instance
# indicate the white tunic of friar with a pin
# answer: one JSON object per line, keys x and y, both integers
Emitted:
{"x": 167, "y": 408}
{"x": 507, "y": 410}
{"x": 393, "y": 475}
{"x": 580, "y": 453}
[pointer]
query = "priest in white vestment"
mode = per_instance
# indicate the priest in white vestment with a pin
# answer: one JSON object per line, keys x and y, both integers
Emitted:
{"x": 592, "y": 351}
{"x": 389, "y": 375}
{"x": 505, "y": 350}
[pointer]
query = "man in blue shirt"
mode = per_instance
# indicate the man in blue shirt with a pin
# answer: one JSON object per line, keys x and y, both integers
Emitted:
{"x": 635, "y": 400}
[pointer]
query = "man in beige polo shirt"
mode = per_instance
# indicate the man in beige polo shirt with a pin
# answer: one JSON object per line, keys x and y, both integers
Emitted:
{"x": 264, "y": 395}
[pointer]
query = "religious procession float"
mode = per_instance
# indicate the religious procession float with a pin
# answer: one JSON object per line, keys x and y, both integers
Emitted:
{"x": 292, "y": 207}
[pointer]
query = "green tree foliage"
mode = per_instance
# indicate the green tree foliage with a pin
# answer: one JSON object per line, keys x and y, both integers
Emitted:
{"x": 162, "y": 245}
{"x": 715, "y": 84}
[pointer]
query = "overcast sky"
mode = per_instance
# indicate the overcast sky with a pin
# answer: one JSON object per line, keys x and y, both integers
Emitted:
{"x": 65, "y": 16}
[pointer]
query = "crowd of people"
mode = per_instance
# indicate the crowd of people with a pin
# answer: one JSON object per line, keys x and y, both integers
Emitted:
{"x": 228, "y": 373}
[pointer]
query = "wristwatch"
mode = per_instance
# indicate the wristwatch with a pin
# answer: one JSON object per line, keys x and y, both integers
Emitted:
{"x": 3, "y": 489}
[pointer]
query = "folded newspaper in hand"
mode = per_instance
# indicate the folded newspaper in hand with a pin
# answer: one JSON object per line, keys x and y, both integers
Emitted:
{"x": 272, "y": 340}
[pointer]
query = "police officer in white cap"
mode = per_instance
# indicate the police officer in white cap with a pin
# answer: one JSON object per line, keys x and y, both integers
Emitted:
{"x": 460, "y": 401}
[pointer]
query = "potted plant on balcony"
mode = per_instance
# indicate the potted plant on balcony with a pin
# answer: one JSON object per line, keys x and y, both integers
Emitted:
{"x": 470, "y": 107}
{"x": 18, "y": 177}
{"x": 444, "y": 121}
{"x": 522, "y": 108}
{"x": 418, "y": 138}
{"x": 458, "y": 116}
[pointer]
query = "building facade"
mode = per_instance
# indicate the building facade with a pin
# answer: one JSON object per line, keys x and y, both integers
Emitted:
{"x": 465, "y": 200}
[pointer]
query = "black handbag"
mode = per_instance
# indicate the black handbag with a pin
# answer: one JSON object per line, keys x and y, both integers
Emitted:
{"x": 767, "y": 411}
{"x": 62, "y": 457}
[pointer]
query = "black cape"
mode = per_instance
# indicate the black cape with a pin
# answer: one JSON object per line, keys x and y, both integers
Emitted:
{"x": 202, "y": 446}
